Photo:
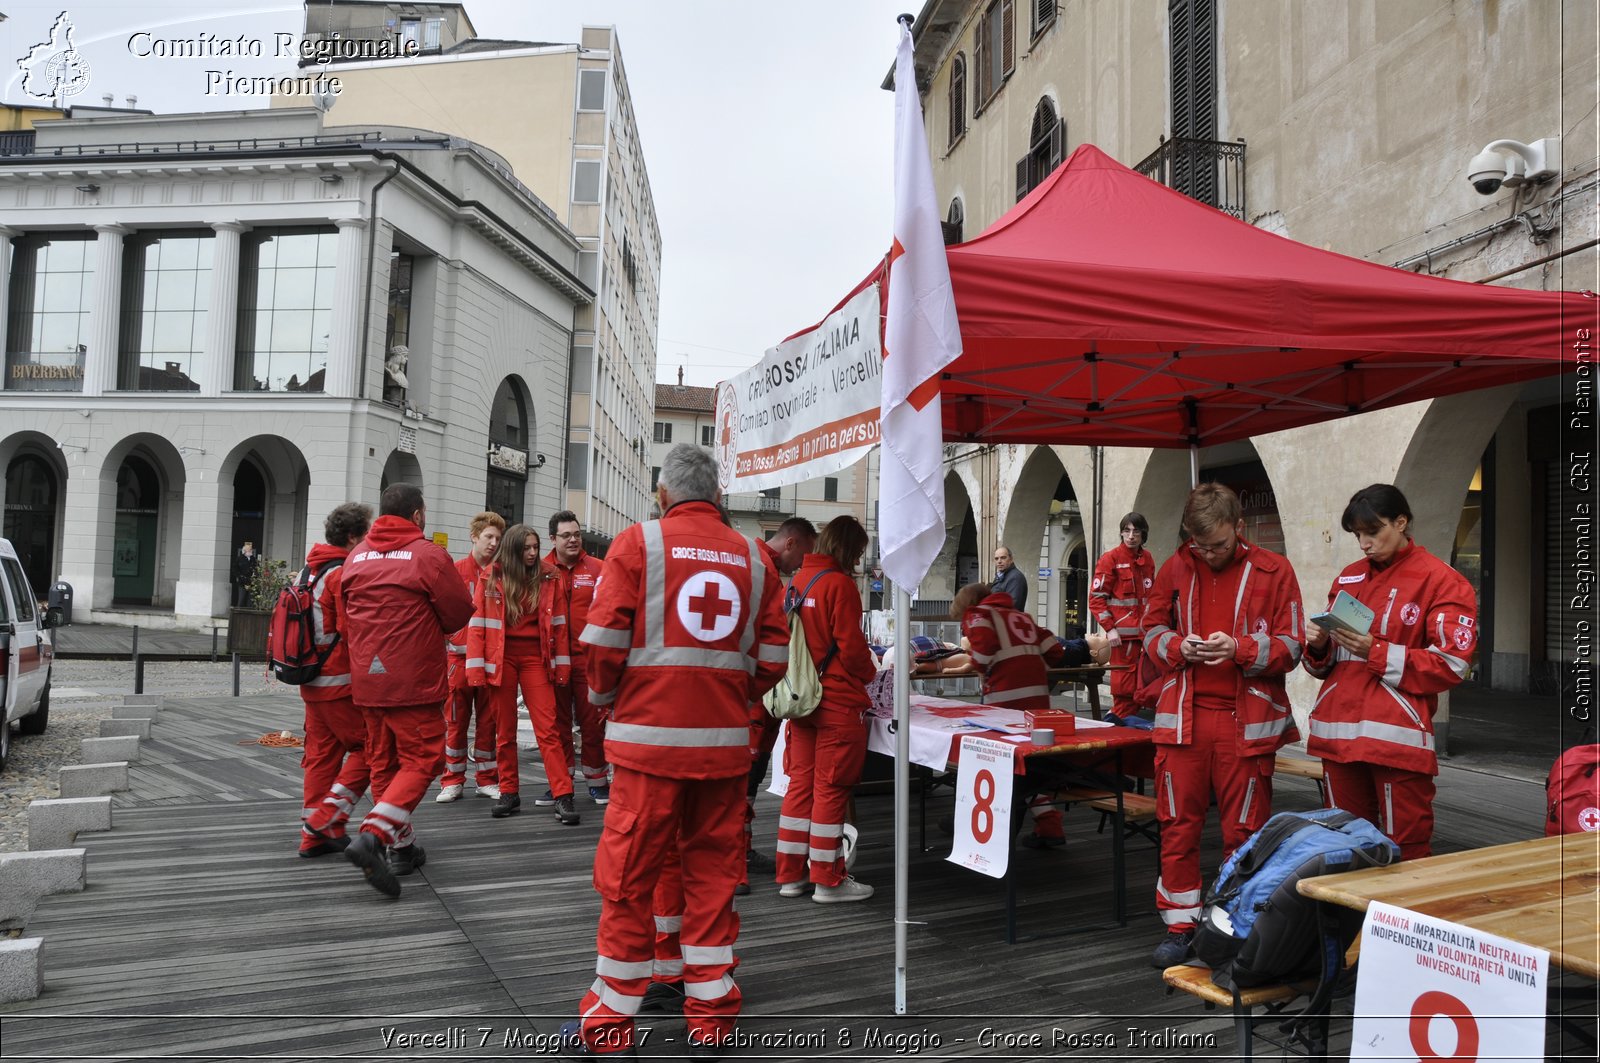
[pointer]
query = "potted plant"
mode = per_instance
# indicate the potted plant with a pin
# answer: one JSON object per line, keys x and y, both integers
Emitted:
{"x": 247, "y": 625}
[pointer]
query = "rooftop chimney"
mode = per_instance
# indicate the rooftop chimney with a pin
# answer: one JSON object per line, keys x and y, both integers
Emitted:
{"x": 680, "y": 376}
{"x": 110, "y": 99}
{"x": 133, "y": 101}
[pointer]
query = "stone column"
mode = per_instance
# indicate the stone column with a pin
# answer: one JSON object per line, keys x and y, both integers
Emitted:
{"x": 6, "y": 234}
{"x": 222, "y": 314}
{"x": 344, "y": 338}
{"x": 105, "y": 319}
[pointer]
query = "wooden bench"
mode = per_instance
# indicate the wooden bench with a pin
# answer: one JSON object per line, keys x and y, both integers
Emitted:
{"x": 1138, "y": 815}
{"x": 1303, "y": 768}
{"x": 1272, "y": 999}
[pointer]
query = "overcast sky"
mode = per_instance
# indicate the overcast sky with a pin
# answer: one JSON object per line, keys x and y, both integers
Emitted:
{"x": 766, "y": 135}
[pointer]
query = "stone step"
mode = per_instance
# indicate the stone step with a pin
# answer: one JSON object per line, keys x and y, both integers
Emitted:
{"x": 93, "y": 780}
{"x": 54, "y": 823}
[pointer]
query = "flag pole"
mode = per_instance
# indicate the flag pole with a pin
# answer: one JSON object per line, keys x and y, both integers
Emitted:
{"x": 902, "y": 789}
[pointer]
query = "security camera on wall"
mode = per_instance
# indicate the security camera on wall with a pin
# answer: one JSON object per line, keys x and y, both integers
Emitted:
{"x": 1511, "y": 163}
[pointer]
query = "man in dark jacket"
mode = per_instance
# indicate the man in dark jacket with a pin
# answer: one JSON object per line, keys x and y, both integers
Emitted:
{"x": 1007, "y": 580}
{"x": 244, "y": 571}
{"x": 397, "y": 599}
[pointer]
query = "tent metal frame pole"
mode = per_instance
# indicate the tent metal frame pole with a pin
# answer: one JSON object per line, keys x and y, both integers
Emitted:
{"x": 902, "y": 788}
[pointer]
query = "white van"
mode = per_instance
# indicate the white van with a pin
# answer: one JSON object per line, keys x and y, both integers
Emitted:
{"x": 26, "y": 650}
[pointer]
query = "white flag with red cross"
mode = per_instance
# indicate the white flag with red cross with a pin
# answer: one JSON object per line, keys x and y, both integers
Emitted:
{"x": 921, "y": 337}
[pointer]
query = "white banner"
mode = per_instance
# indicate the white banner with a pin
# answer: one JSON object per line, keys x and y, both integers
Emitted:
{"x": 1431, "y": 989}
{"x": 983, "y": 806}
{"x": 809, "y": 407}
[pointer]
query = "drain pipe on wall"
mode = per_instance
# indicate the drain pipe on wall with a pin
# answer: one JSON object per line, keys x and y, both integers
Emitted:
{"x": 372, "y": 260}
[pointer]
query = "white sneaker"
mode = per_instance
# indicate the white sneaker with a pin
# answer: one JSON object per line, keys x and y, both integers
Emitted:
{"x": 449, "y": 793}
{"x": 845, "y": 892}
{"x": 492, "y": 791}
{"x": 794, "y": 889}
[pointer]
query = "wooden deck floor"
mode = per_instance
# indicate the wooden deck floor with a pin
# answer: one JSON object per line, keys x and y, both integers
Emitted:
{"x": 202, "y": 936}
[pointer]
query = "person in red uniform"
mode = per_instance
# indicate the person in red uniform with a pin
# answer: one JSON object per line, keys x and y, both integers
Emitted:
{"x": 579, "y": 574}
{"x": 685, "y": 631}
{"x": 466, "y": 700}
{"x": 397, "y": 598}
{"x": 1225, "y": 625}
{"x": 1014, "y": 654}
{"x": 1122, "y": 580}
{"x": 794, "y": 539}
{"x": 514, "y": 641}
{"x": 334, "y": 762}
{"x": 1372, "y": 723}
{"x": 824, "y": 752}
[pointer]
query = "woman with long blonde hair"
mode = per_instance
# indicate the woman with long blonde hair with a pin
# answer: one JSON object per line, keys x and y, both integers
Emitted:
{"x": 514, "y": 640}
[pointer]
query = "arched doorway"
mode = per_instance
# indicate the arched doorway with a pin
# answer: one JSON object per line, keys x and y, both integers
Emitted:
{"x": 509, "y": 432}
{"x": 134, "y": 547}
{"x": 32, "y": 495}
{"x": 249, "y": 509}
{"x": 401, "y": 468}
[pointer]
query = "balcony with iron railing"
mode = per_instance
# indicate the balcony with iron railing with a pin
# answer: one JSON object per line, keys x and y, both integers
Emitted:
{"x": 767, "y": 505}
{"x": 1211, "y": 171}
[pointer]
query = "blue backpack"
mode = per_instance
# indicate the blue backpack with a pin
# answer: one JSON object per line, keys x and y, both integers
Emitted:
{"x": 1256, "y": 928}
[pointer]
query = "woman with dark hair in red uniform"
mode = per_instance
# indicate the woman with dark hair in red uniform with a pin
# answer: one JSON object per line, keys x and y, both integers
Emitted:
{"x": 1372, "y": 723}
{"x": 825, "y": 751}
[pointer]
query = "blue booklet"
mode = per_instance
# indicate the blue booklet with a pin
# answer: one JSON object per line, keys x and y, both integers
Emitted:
{"x": 1345, "y": 613}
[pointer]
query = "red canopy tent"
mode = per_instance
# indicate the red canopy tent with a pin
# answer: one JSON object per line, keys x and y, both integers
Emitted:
{"x": 1108, "y": 309}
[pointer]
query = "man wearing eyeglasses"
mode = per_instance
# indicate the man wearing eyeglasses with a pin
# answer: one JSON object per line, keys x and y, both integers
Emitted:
{"x": 580, "y": 574}
{"x": 1226, "y": 626}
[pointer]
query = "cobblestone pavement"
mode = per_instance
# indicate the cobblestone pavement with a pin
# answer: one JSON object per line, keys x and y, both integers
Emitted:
{"x": 81, "y": 695}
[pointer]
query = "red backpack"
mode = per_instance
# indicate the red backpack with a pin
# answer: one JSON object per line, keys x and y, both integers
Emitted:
{"x": 1574, "y": 792}
{"x": 292, "y": 651}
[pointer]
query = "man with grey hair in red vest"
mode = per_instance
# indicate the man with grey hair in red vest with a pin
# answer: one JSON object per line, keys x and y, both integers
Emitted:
{"x": 685, "y": 631}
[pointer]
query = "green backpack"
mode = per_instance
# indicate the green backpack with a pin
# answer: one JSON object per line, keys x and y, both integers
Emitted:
{"x": 799, "y": 692}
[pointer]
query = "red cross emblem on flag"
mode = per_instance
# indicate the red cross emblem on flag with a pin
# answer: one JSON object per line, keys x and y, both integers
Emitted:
{"x": 709, "y": 606}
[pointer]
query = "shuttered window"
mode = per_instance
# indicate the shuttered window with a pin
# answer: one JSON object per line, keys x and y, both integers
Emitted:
{"x": 958, "y": 97}
{"x": 1193, "y": 31}
{"x": 996, "y": 50}
{"x": 1044, "y": 13}
{"x": 1047, "y": 146}
{"x": 953, "y": 223}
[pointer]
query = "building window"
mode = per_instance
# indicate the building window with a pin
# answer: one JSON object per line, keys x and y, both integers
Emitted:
{"x": 952, "y": 223}
{"x": 578, "y": 466}
{"x": 591, "y": 90}
{"x": 166, "y": 288}
{"x": 707, "y": 434}
{"x": 655, "y": 476}
{"x": 996, "y": 50}
{"x": 397, "y": 334}
{"x": 586, "y": 180}
{"x": 663, "y": 431}
{"x": 286, "y": 280}
{"x": 432, "y": 34}
{"x": 1192, "y": 29}
{"x": 830, "y": 489}
{"x": 582, "y": 367}
{"x": 1047, "y": 146}
{"x": 52, "y": 292}
{"x": 958, "y": 97}
{"x": 1044, "y": 15}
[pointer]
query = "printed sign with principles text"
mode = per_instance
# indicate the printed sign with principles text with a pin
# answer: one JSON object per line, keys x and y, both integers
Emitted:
{"x": 1432, "y": 989}
{"x": 809, "y": 407}
{"x": 983, "y": 806}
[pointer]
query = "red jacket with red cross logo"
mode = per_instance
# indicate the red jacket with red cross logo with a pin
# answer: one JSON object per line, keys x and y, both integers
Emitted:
{"x": 578, "y": 582}
{"x": 1424, "y": 630}
{"x": 333, "y": 681}
{"x": 1121, "y": 587}
{"x": 1012, "y": 652}
{"x": 1268, "y": 626}
{"x": 398, "y": 596}
{"x": 831, "y": 616}
{"x": 685, "y": 631}
{"x": 456, "y": 647}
